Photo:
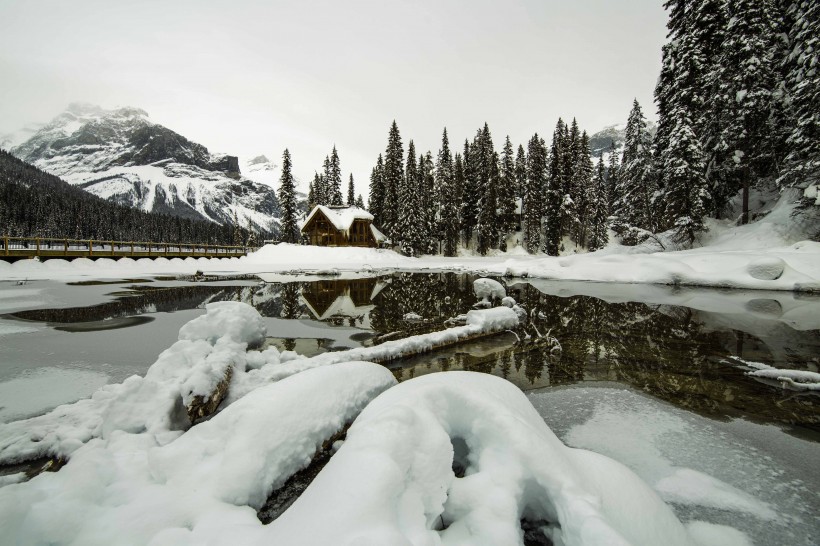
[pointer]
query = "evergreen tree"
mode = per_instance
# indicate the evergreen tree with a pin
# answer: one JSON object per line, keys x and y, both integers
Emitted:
{"x": 520, "y": 172}
{"x": 287, "y": 201}
{"x": 471, "y": 193}
{"x": 351, "y": 197}
{"x": 408, "y": 235}
{"x": 488, "y": 221}
{"x": 612, "y": 174}
{"x": 802, "y": 82}
{"x": 334, "y": 179}
{"x": 684, "y": 181}
{"x": 359, "y": 202}
{"x": 534, "y": 193}
{"x": 377, "y": 192}
{"x": 581, "y": 187}
{"x": 507, "y": 185}
{"x": 598, "y": 209}
{"x": 459, "y": 183}
{"x": 553, "y": 189}
{"x": 311, "y": 199}
{"x": 449, "y": 197}
{"x": 633, "y": 210}
{"x": 429, "y": 203}
{"x": 393, "y": 178}
{"x": 570, "y": 180}
{"x": 746, "y": 82}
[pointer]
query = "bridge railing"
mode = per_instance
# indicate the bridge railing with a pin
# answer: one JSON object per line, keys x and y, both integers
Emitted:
{"x": 50, "y": 246}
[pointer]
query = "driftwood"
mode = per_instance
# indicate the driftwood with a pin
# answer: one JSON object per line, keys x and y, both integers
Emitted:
{"x": 204, "y": 406}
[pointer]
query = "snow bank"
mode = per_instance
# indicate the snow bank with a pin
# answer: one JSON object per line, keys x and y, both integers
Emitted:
{"x": 205, "y": 485}
{"x": 103, "y": 268}
{"x": 397, "y": 462}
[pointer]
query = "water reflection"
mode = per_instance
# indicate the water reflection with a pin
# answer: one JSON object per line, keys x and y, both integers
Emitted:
{"x": 671, "y": 343}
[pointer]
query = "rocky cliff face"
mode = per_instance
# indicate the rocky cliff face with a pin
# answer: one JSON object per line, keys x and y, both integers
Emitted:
{"x": 122, "y": 156}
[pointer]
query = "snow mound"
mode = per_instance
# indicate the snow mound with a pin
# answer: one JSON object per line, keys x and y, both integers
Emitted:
{"x": 398, "y": 460}
{"x": 767, "y": 268}
{"x": 487, "y": 289}
{"x": 203, "y": 487}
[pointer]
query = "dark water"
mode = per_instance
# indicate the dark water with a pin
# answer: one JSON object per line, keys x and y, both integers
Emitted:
{"x": 678, "y": 353}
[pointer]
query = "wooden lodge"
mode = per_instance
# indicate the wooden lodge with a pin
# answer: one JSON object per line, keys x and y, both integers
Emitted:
{"x": 342, "y": 226}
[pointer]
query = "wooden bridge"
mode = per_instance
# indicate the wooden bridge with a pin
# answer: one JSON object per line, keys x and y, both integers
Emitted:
{"x": 17, "y": 248}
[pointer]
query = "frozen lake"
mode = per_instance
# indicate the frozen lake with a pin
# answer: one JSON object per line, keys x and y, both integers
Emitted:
{"x": 651, "y": 376}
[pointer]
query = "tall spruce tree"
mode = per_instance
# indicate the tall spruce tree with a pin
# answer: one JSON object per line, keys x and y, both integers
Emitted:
{"x": 581, "y": 187}
{"x": 351, "y": 196}
{"x": 598, "y": 209}
{"x": 429, "y": 204}
{"x": 407, "y": 230}
{"x": 507, "y": 191}
{"x": 471, "y": 192}
{"x": 393, "y": 177}
{"x": 287, "y": 201}
{"x": 554, "y": 188}
{"x": 612, "y": 174}
{"x": 334, "y": 179}
{"x": 802, "y": 100}
{"x": 377, "y": 192}
{"x": 534, "y": 193}
{"x": 449, "y": 198}
{"x": 488, "y": 228}
{"x": 633, "y": 210}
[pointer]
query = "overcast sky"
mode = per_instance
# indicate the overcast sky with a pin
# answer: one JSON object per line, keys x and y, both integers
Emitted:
{"x": 251, "y": 77}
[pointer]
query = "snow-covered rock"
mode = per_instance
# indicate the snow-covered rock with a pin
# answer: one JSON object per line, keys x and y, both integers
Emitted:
{"x": 487, "y": 289}
{"x": 767, "y": 268}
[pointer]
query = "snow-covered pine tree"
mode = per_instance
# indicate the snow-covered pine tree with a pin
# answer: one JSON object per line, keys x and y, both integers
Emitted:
{"x": 746, "y": 81}
{"x": 633, "y": 210}
{"x": 553, "y": 189}
{"x": 570, "y": 186}
{"x": 449, "y": 199}
{"x": 507, "y": 192}
{"x": 581, "y": 184}
{"x": 488, "y": 219}
{"x": 359, "y": 201}
{"x": 334, "y": 179}
{"x": 520, "y": 172}
{"x": 287, "y": 201}
{"x": 311, "y": 199}
{"x": 407, "y": 232}
{"x": 377, "y": 194}
{"x": 534, "y": 193}
{"x": 802, "y": 164}
{"x": 612, "y": 174}
{"x": 471, "y": 193}
{"x": 598, "y": 211}
{"x": 459, "y": 183}
{"x": 393, "y": 178}
{"x": 430, "y": 204}
{"x": 351, "y": 196}
{"x": 683, "y": 179}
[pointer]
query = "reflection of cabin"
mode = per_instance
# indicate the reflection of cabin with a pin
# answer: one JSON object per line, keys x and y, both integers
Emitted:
{"x": 341, "y": 298}
{"x": 342, "y": 226}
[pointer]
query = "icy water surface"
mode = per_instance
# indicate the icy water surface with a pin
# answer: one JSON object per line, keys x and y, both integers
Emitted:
{"x": 674, "y": 344}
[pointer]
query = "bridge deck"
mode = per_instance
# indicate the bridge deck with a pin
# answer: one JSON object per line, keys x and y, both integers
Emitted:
{"x": 17, "y": 248}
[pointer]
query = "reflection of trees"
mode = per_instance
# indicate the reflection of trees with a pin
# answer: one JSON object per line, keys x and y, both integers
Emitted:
{"x": 290, "y": 301}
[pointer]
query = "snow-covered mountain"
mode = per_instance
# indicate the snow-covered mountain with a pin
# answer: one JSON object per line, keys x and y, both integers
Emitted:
{"x": 603, "y": 140}
{"x": 122, "y": 156}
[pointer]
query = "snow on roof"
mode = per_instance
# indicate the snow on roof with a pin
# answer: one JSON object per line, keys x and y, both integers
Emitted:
{"x": 341, "y": 217}
{"x": 378, "y": 235}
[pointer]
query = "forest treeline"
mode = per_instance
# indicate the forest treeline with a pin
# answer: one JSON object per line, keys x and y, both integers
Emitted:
{"x": 35, "y": 203}
{"x": 738, "y": 103}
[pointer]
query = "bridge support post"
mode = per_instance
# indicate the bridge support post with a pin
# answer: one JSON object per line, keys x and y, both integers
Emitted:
{"x": 6, "y": 244}
{"x": 90, "y": 247}
{"x": 37, "y": 242}
{"x": 65, "y": 247}
{"x": 112, "y": 248}
{"x": 132, "y": 249}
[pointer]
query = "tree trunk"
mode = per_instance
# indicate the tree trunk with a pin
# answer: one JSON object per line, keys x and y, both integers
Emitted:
{"x": 744, "y": 218}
